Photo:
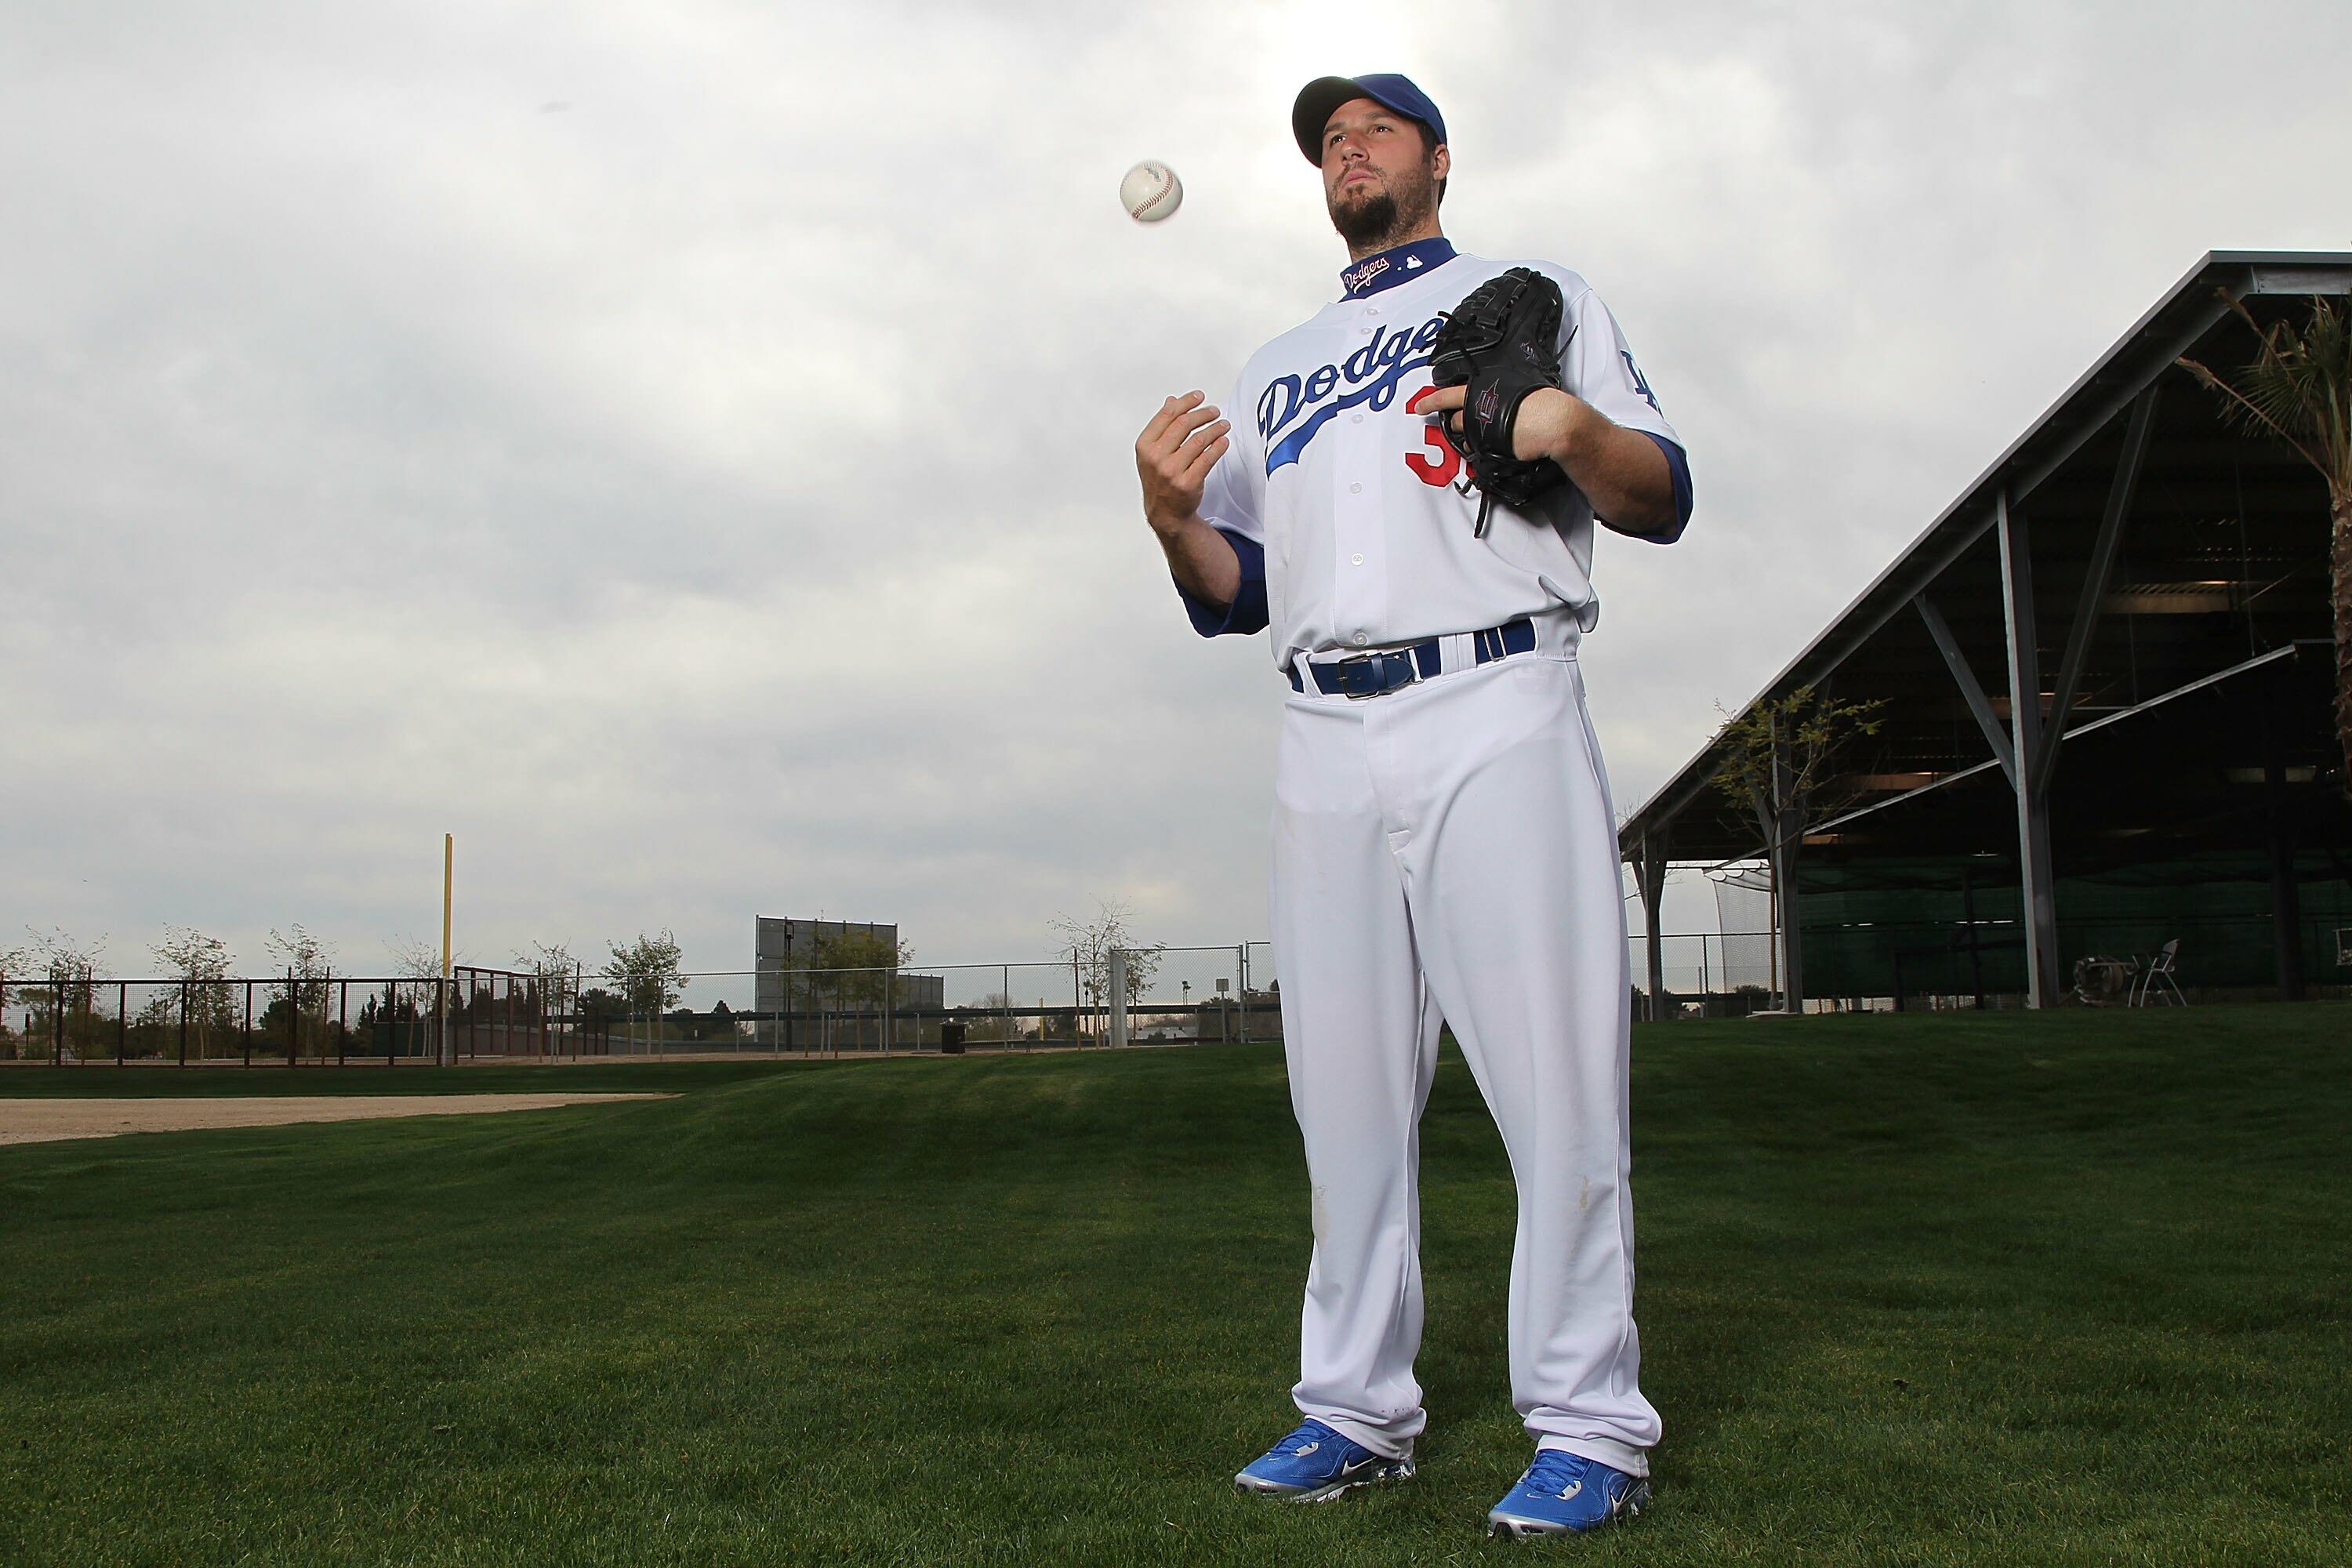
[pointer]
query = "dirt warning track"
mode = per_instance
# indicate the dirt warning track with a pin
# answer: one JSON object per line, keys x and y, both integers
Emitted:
{"x": 50, "y": 1121}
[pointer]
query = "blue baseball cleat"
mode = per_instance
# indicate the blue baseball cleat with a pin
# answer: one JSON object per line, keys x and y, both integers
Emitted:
{"x": 1565, "y": 1494}
{"x": 1316, "y": 1464}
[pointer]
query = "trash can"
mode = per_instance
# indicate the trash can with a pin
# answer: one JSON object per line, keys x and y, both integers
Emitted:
{"x": 951, "y": 1039}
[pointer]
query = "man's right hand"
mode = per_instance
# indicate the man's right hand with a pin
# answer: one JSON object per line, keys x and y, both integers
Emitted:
{"x": 1173, "y": 457}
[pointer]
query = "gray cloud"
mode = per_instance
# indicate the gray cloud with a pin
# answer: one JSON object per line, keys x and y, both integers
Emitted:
{"x": 716, "y": 497}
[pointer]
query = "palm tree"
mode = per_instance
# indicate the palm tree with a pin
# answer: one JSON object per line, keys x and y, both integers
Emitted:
{"x": 2299, "y": 389}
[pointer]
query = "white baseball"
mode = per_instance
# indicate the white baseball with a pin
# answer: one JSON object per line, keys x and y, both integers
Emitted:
{"x": 1150, "y": 192}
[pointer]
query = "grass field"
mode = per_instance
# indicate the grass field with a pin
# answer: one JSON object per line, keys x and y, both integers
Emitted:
{"x": 2045, "y": 1290}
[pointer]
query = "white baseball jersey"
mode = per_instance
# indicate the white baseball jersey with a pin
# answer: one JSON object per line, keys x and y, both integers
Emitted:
{"x": 1354, "y": 519}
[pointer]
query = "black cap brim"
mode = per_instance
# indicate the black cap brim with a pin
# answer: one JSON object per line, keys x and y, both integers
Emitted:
{"x": 1312, "y": 111}
{"x": 1401, "y": 94}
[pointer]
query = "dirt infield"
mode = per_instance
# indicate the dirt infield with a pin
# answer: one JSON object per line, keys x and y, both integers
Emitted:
{"x": 49, "y": 1120}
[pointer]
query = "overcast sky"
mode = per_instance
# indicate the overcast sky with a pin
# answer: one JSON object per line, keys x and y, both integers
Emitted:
{"x": 686, "y": 450}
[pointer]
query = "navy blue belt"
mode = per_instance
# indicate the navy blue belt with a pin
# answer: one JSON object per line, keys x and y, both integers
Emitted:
{"x": 1378, "y": 674}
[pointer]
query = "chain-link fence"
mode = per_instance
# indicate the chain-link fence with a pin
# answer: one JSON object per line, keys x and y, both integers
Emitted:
{"x": 1145, "y": 997}
{"x": 1174, "y": 996}
{"x": 280, "y": 1020}
{"x": 1915, "y": 965}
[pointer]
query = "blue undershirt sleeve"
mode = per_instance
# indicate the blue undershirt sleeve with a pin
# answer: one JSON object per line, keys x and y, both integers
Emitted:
{"x": 1247, "y": 612}
{"x": 1679, "y": 466}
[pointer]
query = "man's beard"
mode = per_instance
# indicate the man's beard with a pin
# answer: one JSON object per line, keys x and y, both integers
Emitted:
{"x": 1379, "y": 220}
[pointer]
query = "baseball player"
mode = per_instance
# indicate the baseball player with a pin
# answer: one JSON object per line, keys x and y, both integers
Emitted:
{"x": 1445, "y": 850}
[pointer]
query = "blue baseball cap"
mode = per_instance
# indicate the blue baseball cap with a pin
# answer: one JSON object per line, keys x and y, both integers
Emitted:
{"x": 1318, "y": 98}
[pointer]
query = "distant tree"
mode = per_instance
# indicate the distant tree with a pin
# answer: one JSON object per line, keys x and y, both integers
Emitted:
{"x": 418, "y": 964}
{"x": 307, "y": 962}
{"x": 999, "y": 1024}
{"x": 552, "y": 965}
{"x": 58, "y": 956}
{"x": 2299, "y": 388}
{"x": 386, "y": 1023}
{"x": 857, "y": 966}
{"x": 598, "y": 1006}
{"x": 416, "y": 968}
{"x": 296, "y": 949}
{"x": 1089, "y": 944}
{"x": 13, "y": 964}
{"x": 720, "y": 1023}
{"x": 1778, "y": 758}
{"x": 646, "y": 973}
{"x": 66, "y": 972}
{"x": 155, "y": 1027}
{"x": 201, "y": 963}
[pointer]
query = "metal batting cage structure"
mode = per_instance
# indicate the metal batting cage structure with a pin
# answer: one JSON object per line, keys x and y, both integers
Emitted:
{"x": 2104, "y": 679}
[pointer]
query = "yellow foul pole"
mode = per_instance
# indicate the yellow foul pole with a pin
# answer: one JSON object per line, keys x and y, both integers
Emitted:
{"x": 448, "y": 872}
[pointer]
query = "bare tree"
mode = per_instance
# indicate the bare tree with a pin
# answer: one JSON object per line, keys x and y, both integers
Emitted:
{"x": 417, "y": 964}
{"x": 554, "y": 968}
{"x": 1089, "y": 944}
{"x": 60, "y": 956}
{"x": 13, "y": 963}
{"x": 69, "y": 971}
{"x": 1000, "y": 1024}
{"x": 2299, "y": 389}
{"x": 413, "y": 959}
{"x": 306, "y": 963}
{"x": 201, "y": 965}
{"x": 298, "y": 950}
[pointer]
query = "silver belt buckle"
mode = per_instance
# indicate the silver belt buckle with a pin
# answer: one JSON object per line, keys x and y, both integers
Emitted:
{"x": 1374, "y": 660}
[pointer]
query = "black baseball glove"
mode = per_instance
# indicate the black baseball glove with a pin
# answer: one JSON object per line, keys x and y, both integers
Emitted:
{"x": 1499, "y": 344}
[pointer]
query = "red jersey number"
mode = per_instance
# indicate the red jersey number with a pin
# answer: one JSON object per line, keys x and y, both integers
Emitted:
{"x": 1441, "y": 469}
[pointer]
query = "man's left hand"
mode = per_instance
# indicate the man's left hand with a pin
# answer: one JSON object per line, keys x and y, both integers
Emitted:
{"x": 1621, "y": 471}
{"x": 1545, "y": 426}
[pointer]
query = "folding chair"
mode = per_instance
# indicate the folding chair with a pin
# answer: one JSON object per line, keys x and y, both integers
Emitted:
{"x": 2160, "y": 969}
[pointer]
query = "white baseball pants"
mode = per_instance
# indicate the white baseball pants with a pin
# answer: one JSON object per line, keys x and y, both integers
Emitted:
{"x": 1447, "y": 853}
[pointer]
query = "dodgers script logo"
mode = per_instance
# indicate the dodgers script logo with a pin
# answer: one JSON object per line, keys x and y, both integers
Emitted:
{"x": 1294, "y": 408}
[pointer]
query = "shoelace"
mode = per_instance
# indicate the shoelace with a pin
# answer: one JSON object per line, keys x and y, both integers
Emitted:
{"x": 1554, "y": 1472}
{"x": 1309, "y": 1432}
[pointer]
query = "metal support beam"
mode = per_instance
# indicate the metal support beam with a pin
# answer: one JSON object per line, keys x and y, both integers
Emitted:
{"x": 1789, "y": 833}
{"x": 2039, "y": 899}
{"x": 2286, "y": 895}
{"x": 1651, "y": 871}
{"x": 1117, "y": 1032}
{"x": 2102, "y": 721}
{"x": 2103, "y": 550}
{"x": 1979, "y": 705}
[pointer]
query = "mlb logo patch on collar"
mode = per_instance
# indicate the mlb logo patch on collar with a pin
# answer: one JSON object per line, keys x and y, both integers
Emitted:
{"x": 1387, "y": 268}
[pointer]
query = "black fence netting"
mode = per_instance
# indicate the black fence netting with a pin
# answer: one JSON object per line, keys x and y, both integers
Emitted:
{"x": 1952, "y": 927}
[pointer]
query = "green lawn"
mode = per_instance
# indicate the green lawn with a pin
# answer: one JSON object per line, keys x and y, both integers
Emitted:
{"x": 2007, "y": 1290}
